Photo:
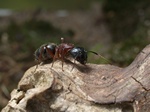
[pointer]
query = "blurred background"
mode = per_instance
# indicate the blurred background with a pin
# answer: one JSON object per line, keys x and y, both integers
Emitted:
{"x": 117, "y": 29}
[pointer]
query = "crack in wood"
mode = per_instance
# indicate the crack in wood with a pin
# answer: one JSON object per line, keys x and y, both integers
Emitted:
{"x": 139, "y": 83}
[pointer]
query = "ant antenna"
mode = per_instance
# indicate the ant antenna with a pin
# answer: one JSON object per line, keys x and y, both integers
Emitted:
{"x": 62, "y": 40}
{"x": 100, "y": 56}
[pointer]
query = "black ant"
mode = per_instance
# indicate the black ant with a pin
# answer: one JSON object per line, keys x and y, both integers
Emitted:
{"x": 53, "y": 52}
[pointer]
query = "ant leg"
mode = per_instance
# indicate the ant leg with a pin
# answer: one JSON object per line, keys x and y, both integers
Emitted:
{"x": 54, "y": 57}
{"x": 38, "y": 60}
{"x": 62, "y": 59}
{"x": 37, "y": 63}
{"x": 74, "y": 62}
{"x": 36, "y": 67}
{"x": 62, "y": 64}
{"x": 41, "y": 63}
{"x": 73, "y": 65}
{"x": 53, "y": 60}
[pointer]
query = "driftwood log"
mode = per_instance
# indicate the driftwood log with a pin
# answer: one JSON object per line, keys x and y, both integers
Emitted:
{"x": 90, "y": 88}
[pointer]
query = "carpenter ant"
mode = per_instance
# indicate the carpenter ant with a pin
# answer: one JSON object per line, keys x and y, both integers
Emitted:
{"x": 54, "y": 52}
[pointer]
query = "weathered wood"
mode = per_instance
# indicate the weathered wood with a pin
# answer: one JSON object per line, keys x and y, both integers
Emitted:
{"x": 91, "y": 88}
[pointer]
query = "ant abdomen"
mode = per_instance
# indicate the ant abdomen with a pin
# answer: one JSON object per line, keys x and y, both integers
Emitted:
{"x": 45, "y": 52}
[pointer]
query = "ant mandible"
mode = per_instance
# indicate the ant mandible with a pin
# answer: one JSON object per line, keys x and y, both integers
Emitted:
{"x": 54, "y": 52}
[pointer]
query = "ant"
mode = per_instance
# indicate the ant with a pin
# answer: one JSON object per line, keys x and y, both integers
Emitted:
{"x": 53, "y": 52}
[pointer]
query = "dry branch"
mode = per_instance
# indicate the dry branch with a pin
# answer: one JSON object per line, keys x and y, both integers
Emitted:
{"x": 90, "y": 88}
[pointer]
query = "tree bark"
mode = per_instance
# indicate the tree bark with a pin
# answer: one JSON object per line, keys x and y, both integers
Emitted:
{"x": 89, "y": 88}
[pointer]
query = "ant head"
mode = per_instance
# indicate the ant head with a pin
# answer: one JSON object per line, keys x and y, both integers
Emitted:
{"x": 79, "y": 54}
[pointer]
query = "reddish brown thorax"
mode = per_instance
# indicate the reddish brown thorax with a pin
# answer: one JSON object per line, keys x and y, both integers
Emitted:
{"x": 62, "y": 50}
